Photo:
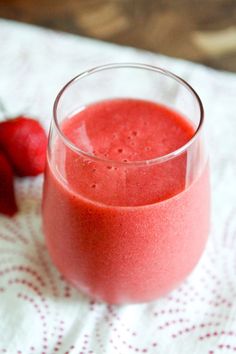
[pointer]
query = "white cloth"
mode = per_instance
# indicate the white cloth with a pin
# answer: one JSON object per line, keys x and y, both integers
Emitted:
{"x": 39, "y": 311}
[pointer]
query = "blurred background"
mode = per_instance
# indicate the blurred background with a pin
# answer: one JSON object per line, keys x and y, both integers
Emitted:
{"x": 199, "y": 30}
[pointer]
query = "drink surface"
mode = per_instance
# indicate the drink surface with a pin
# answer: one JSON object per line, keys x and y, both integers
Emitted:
{"x": 128, "y": 130}
{"x": 120, "y": 232}
{"x": 125, "y": 131}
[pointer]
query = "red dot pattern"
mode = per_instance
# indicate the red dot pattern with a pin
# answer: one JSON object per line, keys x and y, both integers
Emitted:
{"x": 34, "y": 281}
{"x": 38, "y": 284}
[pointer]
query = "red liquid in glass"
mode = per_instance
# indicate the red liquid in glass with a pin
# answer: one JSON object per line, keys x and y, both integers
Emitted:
{"x": 124, "y": 233}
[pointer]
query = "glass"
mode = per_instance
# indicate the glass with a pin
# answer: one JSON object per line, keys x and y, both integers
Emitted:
{"x": 126, "y": 244}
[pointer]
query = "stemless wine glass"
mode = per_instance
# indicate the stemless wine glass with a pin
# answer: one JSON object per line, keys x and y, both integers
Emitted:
{"x": 126, "y": 231}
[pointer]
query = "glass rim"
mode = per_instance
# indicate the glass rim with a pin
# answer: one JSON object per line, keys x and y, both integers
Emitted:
{"x": 155, "y": 160}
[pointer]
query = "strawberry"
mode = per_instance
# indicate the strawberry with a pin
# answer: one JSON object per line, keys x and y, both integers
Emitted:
{"x": 7, "y": 196}
{"x": 24, "y": 142}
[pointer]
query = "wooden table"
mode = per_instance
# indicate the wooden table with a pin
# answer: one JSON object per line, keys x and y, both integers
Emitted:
{"x": 198, "y": 30}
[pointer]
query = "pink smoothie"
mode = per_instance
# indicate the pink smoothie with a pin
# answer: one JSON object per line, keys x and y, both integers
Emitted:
{"x": 124, "y": 232}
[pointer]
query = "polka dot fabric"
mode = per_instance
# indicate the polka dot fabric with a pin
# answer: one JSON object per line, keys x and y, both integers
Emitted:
{"x": 40, "y": 312}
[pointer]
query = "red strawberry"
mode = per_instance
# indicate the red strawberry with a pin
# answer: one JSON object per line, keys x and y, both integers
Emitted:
{"x": 7, "y": 196}
{"x": 24, "y": 142}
